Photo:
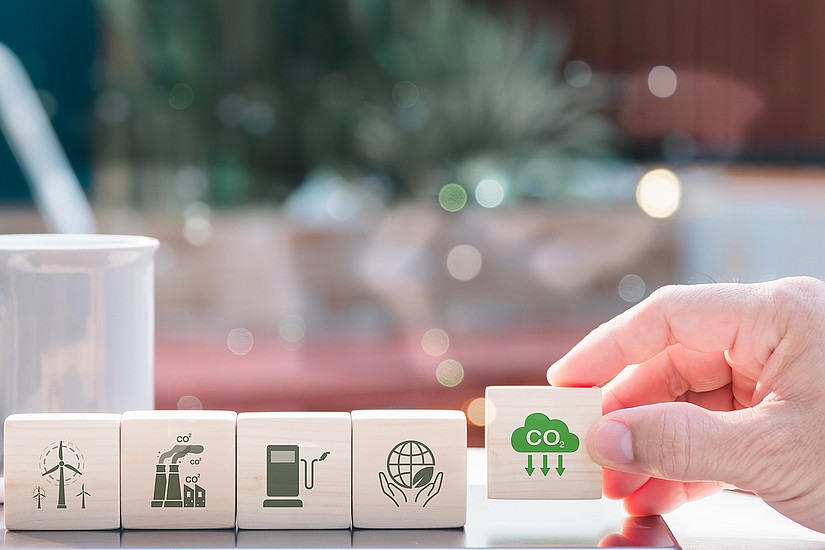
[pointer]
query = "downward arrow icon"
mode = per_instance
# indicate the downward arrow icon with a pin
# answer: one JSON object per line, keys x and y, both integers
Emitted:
{"x": 529, "y": 467}
{"x": 544, "y": 468}
{"x": 560, "y": 468}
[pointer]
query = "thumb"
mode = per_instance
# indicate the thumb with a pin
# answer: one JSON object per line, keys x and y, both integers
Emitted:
{"x": 679, "y": 441}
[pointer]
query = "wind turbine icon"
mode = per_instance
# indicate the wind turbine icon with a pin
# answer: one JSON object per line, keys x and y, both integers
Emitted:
{"x": 61, "y": 494}
{"x": 84, "y": 493}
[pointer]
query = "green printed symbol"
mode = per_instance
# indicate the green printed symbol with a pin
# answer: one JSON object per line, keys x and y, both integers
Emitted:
{"x": 83, "y": 494}
{"x": 283, "y": 475}
{"x": 61, "y": 463}
{"x": 541, "y": 435}
{"x": 411, "y": 465}
{"x": 167, "y": 489}
{"x": 38, "y": 494}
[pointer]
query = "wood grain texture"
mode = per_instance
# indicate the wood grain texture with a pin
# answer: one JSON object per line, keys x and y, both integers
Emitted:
{"x": 409, "y": 469}
{"x": 541, "y": 468}
{"x": 89, "y": 445}
{"x": 178, "y": 469}
{"x": 322, "y": 486}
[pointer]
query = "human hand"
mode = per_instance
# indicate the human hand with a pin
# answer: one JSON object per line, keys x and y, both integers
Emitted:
{"x": 711, "y": 385}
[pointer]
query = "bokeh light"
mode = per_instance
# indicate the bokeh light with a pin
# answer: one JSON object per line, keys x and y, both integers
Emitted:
{"x": 197, "y": 224}
{"x": 449, "y": 373}
{"x": 659, "y": 193}
{"x": 405, "y": 94}
{"x": 435, "y": 342}
{"x": 476, "y": 411}
{"x": 661, "y": 81}
{"x": 181, "y": 96}
{"x": 342, "y": 204}
{"x": 258, "y": 118}
{"x": 489, "y": 193}
{"x": 577, "y": 74}
{"x": 631, "y": 288}
{"x": 292, "y": 329}
{"x": 464, "y": 262}
{"x": 452, "y": 197}
{"x": 240, "y": 341}
{"x": 189, "y": 403}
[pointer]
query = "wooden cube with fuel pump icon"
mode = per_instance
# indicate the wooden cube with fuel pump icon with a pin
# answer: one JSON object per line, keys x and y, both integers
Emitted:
{"x": 294, "y": 470}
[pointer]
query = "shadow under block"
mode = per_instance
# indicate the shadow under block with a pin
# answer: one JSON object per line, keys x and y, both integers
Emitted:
{"x": 535, "y": 439}
{"x": 294, "y": 470}
{"x": 409, "y": 469}
{"x": 178, "y": 469}
{"x": 62, "y": 471}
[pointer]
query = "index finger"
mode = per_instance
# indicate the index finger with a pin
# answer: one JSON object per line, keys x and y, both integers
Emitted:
{"x": 703, "y": 318}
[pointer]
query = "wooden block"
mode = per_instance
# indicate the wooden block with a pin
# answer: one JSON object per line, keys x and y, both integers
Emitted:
{"x": 62, "y": 471}
{"x": 178, "y": 469}
{"x": 409, "y": 469}
{"x": 535, "y": 442}
{"x": 294, "y": 470}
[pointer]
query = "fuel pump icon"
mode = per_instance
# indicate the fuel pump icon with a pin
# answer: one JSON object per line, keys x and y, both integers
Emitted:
{"x": 283, "y": 475}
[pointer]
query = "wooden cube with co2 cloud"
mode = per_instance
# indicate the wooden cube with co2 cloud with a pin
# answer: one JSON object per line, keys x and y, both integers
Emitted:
{"x": 535, "y": 439}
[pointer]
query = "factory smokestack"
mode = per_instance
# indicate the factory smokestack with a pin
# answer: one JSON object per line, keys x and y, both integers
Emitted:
{"x": 179, "y": 451}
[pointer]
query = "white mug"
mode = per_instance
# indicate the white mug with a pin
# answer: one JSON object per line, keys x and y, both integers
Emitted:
{"x": 76, "y": 323}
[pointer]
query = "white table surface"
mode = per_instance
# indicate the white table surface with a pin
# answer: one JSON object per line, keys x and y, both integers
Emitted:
{"x": 729, "y": 520}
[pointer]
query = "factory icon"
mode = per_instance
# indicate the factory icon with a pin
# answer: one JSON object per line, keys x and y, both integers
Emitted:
{"x": 169, "y": 491}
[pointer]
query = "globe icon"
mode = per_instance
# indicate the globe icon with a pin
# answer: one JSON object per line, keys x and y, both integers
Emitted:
{"x": 410, "y": 464}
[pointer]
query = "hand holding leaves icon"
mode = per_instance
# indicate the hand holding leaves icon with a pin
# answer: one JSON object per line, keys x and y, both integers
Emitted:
{"x": 425, "y": 489}
{"x": 410, "y": 466}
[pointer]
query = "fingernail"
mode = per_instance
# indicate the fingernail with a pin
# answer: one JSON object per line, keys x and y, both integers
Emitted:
{"x": 612, "y": 444}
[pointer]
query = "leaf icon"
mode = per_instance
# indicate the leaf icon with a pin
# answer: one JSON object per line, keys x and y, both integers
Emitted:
{"x": 423, "y": 476}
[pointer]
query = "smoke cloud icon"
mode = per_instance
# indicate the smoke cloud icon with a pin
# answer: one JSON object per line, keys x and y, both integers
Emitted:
{"x": 540, "y": 434}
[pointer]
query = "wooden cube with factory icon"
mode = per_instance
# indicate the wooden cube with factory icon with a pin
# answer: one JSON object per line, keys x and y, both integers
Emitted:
{"x": 62, "y": 471}
{"x": 535, "y": 442}
{"x": 409, "y": 469}
{"x": 294, "y": 470}
{"x": 177, "y": 469}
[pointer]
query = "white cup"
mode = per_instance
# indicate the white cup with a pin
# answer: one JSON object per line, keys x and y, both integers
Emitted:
{"x": 76, "y": 323}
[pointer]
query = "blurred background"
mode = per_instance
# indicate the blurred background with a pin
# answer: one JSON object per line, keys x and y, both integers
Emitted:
{"x": 383, "y": 204}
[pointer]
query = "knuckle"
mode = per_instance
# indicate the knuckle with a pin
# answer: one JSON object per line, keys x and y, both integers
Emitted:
{"x": 674, "y": 451}
{"x": 798, "y": 293}
{"x": 665, "y": 451}
{"x": 663, "y": 294}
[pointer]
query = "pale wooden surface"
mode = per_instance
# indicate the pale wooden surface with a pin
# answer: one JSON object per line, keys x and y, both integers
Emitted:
{"x": 374, "y": 436}
{"x": 90, "y": 444}
{"x": 507, "y": 470}
{"x": 327, "y": 504}
{"x": 145, "y": 435}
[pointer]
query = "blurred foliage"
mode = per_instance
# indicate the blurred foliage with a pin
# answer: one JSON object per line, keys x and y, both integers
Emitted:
{"x": 257, "y": 94}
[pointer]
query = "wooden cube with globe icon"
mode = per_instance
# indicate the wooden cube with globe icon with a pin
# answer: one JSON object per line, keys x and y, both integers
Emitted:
{"x": 62, "y": 471}
{"x": 409, "y": 469}
{"x": 535, "y": 439}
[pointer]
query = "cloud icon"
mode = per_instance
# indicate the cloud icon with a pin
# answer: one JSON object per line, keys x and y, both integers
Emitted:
{"x": 543, "y": 435}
